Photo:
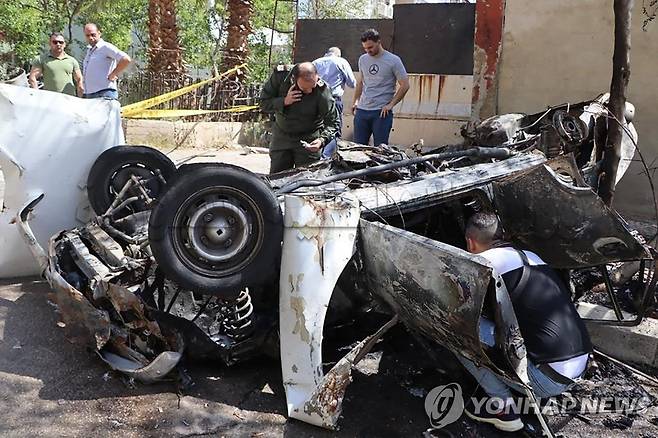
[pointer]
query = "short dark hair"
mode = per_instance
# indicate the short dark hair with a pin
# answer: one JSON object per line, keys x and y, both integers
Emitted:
{"x": 484, "y": 227}
{"x": 370, "y": 34}
{"x": 56, "y": 34}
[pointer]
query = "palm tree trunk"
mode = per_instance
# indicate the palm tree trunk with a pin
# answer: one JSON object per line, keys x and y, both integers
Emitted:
{"x": 171, "y": 50}
{"x": 155, "y": 44}
{"x": 164, "y": 47}
{"x": 238, "y": 30}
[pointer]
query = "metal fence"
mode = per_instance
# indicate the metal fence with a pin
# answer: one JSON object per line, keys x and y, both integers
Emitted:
{"x": 221, "y": 94}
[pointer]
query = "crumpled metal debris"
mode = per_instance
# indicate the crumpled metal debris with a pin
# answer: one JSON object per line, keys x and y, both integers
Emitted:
{"x": 398, "y": 220}
{"x": 318, "y": 241}
{"x": 61, "y": 147}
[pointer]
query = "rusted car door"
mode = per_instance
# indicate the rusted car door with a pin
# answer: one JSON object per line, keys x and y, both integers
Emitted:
{"x": 437, "y": 290}
{"x": 549, "y": 210}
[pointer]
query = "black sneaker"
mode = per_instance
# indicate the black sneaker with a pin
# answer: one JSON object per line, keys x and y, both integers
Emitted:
{"x": 505, "y": 421}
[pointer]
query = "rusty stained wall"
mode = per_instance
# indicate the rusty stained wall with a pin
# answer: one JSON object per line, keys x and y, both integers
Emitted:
{"x": 434, "y": 109}
{"x": 489, "y": 19}
{"x": 430, "y": 97}
{"x": 405, "y": 132}
{"x": 437, "y": 97}
{"x": 437, "y": 104}
{"x": 561, "y": 51}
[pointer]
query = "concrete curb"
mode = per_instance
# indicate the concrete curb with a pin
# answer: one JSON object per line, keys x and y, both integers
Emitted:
{"x": 637, "y": 344}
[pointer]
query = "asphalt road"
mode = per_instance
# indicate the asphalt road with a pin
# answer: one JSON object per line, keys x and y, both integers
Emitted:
{"x": 49, "y": 387}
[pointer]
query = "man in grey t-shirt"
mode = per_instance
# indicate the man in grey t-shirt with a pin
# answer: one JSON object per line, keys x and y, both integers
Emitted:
{"x": 375, "y": 94}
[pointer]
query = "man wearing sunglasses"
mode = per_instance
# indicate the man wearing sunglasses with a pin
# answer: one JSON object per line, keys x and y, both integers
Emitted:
{"x": 59, "y": 69}
{"x": 102, "y": 65}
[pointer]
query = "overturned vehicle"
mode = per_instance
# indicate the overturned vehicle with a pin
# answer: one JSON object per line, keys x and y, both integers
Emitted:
{"x": 213, "y": 261}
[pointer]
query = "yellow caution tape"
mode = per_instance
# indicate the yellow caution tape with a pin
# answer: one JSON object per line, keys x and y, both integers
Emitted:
{"x": 129, "y": 110}
{"x": 156, "y": 114}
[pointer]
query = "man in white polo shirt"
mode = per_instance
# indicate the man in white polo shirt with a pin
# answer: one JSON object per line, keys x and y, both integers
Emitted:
{"x": 102, "y": 65}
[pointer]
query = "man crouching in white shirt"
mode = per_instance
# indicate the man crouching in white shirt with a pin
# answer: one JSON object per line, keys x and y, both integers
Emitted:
{"x": 555, "y": 336}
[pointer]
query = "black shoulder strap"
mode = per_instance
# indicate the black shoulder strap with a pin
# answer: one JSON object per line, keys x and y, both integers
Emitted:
{"x": 524, "y": 258}
{"x": 523, "y": 281}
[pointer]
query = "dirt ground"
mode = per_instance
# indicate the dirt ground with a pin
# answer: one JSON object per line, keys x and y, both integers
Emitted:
{"x": 50, "y": 387}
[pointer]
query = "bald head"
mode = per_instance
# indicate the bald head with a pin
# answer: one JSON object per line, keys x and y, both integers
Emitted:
{"x": 482, "y": 231}
{"x": 306, "y": 76}
{"x": 333, "y": 51}
{"x": 92, "y": 34}
{"x": 306, "y": 69}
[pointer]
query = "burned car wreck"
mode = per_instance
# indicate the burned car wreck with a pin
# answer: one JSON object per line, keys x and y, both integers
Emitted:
{"x": 212, "y": 261}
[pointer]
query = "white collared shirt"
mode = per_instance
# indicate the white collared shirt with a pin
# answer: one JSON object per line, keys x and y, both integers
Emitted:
{"x": 99, "y": 61}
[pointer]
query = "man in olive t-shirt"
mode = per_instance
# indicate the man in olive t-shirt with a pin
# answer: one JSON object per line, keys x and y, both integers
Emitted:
{"x": 59, "y": 70}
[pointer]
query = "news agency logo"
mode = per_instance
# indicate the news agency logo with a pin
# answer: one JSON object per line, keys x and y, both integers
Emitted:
{"x": 444, "y": 405}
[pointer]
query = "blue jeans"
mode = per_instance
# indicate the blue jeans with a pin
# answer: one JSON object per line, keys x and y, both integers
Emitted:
{"x": 109, "y": 93}
{"x": 369, "y": 122}
{"x": 329, "y": 149}
{"x": 496, "y": 386}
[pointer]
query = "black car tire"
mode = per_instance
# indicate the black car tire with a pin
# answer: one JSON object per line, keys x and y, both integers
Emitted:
{"x": 217, "y": 230}
{"x": 112, "y": 168}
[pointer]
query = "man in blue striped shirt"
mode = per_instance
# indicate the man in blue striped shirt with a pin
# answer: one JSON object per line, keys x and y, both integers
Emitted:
{"x": 337, "y": 73}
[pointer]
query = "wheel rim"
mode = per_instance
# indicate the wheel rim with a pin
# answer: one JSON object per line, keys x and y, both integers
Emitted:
{"x": 217, "y": 231}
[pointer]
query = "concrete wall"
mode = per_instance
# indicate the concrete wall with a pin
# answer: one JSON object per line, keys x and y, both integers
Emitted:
{"x": 167, "y": 134}
{"x": 561, "y": 50}
{"x": 434, "y": 110}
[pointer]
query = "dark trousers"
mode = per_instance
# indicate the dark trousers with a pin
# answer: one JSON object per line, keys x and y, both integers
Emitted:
{"x": 285, "y": 159}
{"x": 331, "y": 146}
{"x": 369, "y": 122}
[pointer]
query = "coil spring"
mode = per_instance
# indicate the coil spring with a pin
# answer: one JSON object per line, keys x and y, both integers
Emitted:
{"x": 238, "y": 322}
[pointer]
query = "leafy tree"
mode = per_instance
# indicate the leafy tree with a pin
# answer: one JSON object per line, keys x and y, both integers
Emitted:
{"x": 28, "y": 23}
{"x": 259, "y": 70}
{"x": 262, "y": 20}
{"x": 25, "y": 27}
{"x": 196, "y": 38}
{"x": 8, "y": 68}
{"x": 319, "y": 9}
{"x": 123, "y": 22}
